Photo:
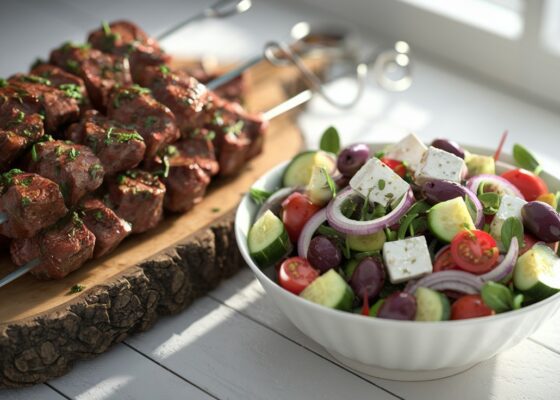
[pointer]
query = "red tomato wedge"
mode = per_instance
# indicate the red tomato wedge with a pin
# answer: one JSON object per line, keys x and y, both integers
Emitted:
{"x": 397, "y": 166}
{"x": 470, "y": 306}
{"x": 297, "y": 209}
{"x": 295, "y": 274}
{"x": 529, "y": 184}
{"x": 474, "y": 251}
{"x": 444, "y": 261}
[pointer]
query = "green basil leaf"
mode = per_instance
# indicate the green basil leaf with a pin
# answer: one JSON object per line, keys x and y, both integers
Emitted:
{"x": 259, "y": 196}
{"x": 490, "y": 202}
{"x": 517, "y": 301}
{"x": 525, "y": 159}
{"x": 330, "y": 141}
{"x": 511, "y": 228}
{"x": 497, "y": 296}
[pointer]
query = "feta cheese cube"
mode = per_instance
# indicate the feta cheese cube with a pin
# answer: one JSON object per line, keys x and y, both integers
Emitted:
{"x": 378, "y": 183}
{"x": 439, "y": 164}
{"x": 510, "y": 206}
{"x": 407, "y": 259}
{"x": 410, "y": 150}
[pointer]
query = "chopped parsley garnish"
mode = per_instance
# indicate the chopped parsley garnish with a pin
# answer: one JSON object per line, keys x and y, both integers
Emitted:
{"x": 73, "y": 154}
{"x": 211, "y": 135}
{"x": 72, "y": 65}
{"x": 3, "y": 83}
{"x": 58, "y": 150}
{"x": 121, "y": 137}
{"x": 8, "y": 177}
{"x": 106, "y": 28}
{"x": 26, "y": 181}
{"x": 215, "y": 209}
{"x": 218, "y": 119}
{"x": 164, "y": 69}
{"x": 235, "y": 129}
{"x": 18, "y": 119}
{"x": 34, "y": 155}
{"x": 77, "y": 288}
{"x": 95, "y": 170}
{"x": 98, "y": 215}
{"x": 36, "y": 79}
{"x": 129, "y": 93}
{"x": 25, "y": 201}
{"x": 71, "y": 90}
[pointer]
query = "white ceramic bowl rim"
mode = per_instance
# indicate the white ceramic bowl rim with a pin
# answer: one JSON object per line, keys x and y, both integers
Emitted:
{"x": 378, "y": 322}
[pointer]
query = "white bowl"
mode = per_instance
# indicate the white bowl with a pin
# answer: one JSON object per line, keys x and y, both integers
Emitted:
{"x": 391, "y": 349}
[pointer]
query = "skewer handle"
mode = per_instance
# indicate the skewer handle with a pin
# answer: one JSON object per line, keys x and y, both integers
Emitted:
{"x": 19, "y": 272}
{"x": 3, "y": 217}
{"x": 228, "y": 76}
{"x": 220, "y": 9}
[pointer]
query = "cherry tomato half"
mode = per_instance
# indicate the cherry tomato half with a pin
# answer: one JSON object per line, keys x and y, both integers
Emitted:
{"x": 397, "y": 166}
{"x": 470, "y": 306}
{"x": 474, "y": 251}
{"x": 444, "y": 261}
{"x": 297, "y": 211}
{"x": 529, "y": 184}
{"x": 295, "y": 274}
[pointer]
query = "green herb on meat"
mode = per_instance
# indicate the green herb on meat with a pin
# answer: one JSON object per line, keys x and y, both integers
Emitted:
{"x": 259, "y": 196}
{"x": 34, "y": 155}
{"x": 95, "y": 170}
{"x": 98, "y": 216}
{"x": 3, "y": 83}
{"x": 121, "y": 137}
{"x": 25, "y": 201}
{"x": 36, "y": 79}
{"x": 72, "y": 91}
{"x": 8, "y": 177}
{"x": 235, "y": 129}
{"x": 72, "y": 66}
{"x": 525, "y": 159}
{"x": 26, "y": 181}
{"x": 150, "y": 121}
{"x": 73, "y": 154}
{"x": 164, "y": 69}
{"x": 330, "y": 141}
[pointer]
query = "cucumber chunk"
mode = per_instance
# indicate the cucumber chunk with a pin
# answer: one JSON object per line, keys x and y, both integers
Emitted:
{"x": 373, "y": 242}
{"x": 478, "y": 165}
{"x": 268, "y": 240}
{"x": 318, "y": 188}
{"x": 448, "y": 218}
{"x": 330, "y": 290}
{"x": 431, "y": 305}
{"x": 298, "y": 172}
{"x": 537, "y": 272}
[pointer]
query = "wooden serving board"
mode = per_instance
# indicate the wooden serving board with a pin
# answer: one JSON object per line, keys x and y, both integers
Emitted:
{"x": 44, "y": 329}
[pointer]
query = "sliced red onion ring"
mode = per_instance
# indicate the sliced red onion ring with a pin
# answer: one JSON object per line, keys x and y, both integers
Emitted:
{"x": 455, "y": 286}
{"x": 445, "y": 278}
{"x": 275, "y": 200}
{"x": 346, "y": 225}
{"x": 506, "y": 266}
{"x": 504, "y": 184}
{"x": 308, "y": 230}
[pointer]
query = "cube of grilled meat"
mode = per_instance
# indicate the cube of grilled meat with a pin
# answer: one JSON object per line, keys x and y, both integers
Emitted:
{"x": 183, "y": 94}
{"x": 108, "y": 228}
{"x": 186, "y": 172}
{"x": 135, "y": 106}
{"x": 199, "y": 146}
{"x": 30, "y": 203}
{"x": 18, "y": 130}
{"x": 137, "y": 197}
{"x": 118, "y": 147}
{"x": 101, "y": 72}
{"x": 74, "y": 167}
{"x": 238, "y": 134}
{"x": 72, "y": 85}
{"x": 126, "y": 39}
{"x": 59, "y": 249}
{"x": 60, "y": 107}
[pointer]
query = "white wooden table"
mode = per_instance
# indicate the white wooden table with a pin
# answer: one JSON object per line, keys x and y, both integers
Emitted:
{"x": 233, "y": 343}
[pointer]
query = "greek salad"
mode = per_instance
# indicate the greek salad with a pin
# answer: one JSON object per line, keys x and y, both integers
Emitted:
{"x": 413, "y": 232}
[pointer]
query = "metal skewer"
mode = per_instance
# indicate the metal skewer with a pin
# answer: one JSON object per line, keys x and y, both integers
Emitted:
{"x": 220, "y": 9}
{"x": 3, "y": 217}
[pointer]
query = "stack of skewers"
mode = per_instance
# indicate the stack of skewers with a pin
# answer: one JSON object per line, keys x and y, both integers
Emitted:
{"x": 99, "y": 140}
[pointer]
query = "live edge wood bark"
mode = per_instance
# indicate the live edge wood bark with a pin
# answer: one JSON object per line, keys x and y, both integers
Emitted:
{"x": 38, "y": 349}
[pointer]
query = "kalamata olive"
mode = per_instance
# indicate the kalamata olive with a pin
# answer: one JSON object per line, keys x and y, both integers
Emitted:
{"x": 341, "y": 181}
{"x": 351, "y": 159}
{"x": 399, "y": 305}
{"x": 450, "y": 146}
{"x": 323, "y": 253}
{"x": 368, "y": 277}
{"x": 436, "y": 190}
{"x": 542, "y": 221}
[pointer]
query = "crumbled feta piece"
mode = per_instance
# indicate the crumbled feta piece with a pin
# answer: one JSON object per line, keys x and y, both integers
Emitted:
{"x": 510, "y": 206}
{"x": 439, "y": 164}
{"x": 410, "y": 150}
{"x": 407, "y": 259}
{"x": 378, "y": 183}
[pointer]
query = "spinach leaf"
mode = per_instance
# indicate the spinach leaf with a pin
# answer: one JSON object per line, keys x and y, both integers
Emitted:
{"x": 525, "y": 159}
{"x": 259, "y": 196}
{"x": 497, "y": 296}
{"x": 511, "y": 228}
{"x": 490, "y": 202}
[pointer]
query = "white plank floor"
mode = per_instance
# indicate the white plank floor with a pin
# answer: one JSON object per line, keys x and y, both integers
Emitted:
{"x": 235, "y": 344}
